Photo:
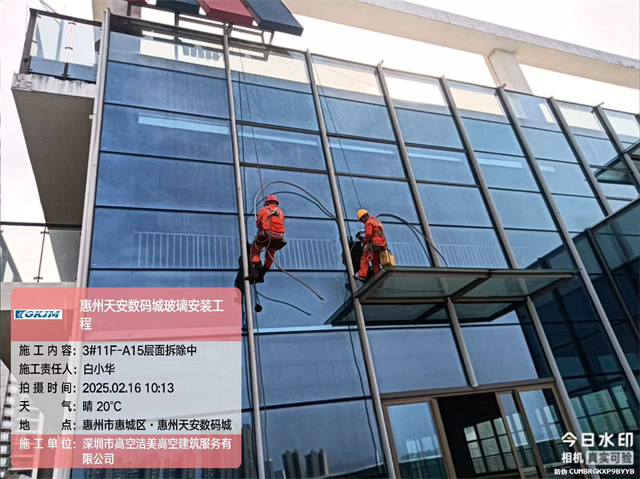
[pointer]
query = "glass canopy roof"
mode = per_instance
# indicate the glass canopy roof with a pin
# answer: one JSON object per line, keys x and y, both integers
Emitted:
{"x": 409, "y": 295}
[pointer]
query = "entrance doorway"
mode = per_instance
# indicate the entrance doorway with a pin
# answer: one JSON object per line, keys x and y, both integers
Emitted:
{"x": 508, "y": 433}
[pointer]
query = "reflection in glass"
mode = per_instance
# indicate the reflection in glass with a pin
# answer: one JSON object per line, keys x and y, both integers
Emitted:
{"x": 136, "y": 239}
{"x": 469, "y": 247}
{"x": 519, "y": 436}
{"x": 440, "y": 165}
{"x": 143, "y": 182}
{"x": 413, "y": 359}
{"x": 454, "y": 205}
{"x": 280, "y": 148}
{"x": 172, "y": 135}
{"x": 336, "y": 439}
{"x": 165, "y": 90}
{"x": 547, "y": 428}
{"x": 477, "y": 102}
{"x": 415, "y": 437}
{"x": 368, "y": 158}
{"x": 532, "y": 111}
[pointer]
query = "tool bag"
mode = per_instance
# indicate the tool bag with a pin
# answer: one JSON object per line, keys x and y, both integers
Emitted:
{"x": 387, "y": 258}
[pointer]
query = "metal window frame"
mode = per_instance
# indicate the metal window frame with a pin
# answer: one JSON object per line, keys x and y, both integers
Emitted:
{"x": 515, "y": 388}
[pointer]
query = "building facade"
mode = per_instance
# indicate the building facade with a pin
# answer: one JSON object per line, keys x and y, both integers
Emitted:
{"x": 192, "y": 130}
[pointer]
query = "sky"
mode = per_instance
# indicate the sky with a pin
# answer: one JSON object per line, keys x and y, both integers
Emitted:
{"x": 611, "y": 25}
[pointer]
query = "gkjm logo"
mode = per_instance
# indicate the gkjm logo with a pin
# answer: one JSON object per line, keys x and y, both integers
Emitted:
{"x": 37, "y": 314}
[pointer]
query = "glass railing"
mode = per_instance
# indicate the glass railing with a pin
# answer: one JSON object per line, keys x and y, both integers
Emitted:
{"x": 61, "y": 46}
{"x": 37, "y": 253}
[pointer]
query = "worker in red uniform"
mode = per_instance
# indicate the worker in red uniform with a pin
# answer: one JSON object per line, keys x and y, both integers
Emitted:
{"x": 270, "y": 224}
{"x": 374, "y": 241}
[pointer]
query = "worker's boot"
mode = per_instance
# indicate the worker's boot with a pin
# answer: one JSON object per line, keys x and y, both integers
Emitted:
{"x": 263, "y": 271}
{"x": 254, "y": 273}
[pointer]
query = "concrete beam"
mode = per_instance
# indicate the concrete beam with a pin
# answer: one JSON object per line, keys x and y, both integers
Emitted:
{"x": 428, "y": 25}
{"x": 506, "y": 70}
{"x": 54, "y": 115}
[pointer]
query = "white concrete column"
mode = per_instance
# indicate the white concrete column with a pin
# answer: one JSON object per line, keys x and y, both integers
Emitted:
{"x": 505, "y": 70}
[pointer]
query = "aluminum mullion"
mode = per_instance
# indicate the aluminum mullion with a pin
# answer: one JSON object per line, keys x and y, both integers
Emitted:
{"x": 435, "y": 255}
{"x": 569, "y": 242}
{"x": 615, "y": 139}
{"x": 577, "y": 150}
{"x": 248, "y": 303}
{"x": 529, "y": 431}
{"x": 477, "y": 169}
{"x": 362, "y": 331}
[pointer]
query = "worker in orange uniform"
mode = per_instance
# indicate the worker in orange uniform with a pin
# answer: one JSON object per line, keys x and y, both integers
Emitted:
{"x": 374, "y": 241}
{"x": 270, "y": 224}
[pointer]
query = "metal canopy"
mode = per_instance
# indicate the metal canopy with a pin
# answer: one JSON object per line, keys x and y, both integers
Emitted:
{"x": 407, "y": 295}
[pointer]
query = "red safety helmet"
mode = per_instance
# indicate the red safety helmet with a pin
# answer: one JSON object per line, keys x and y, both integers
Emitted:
{"x": 271, "y": 199}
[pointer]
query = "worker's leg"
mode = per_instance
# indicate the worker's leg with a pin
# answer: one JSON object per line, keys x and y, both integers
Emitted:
{"x": 375, "y": 262}
{"x": 268, "y": 258}
{"x": 256, "y": 249}
{"x": 364, "y": 264}
{"x": 255, "y": 266}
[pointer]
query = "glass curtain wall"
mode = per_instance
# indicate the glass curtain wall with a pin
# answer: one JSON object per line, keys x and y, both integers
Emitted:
{"x": 519, "y": 203}
{"x": 318, "y": 417}
{"x": 610, "y": 170}
{"x": 366, "y": 157}
{"x": 561, "y": 169}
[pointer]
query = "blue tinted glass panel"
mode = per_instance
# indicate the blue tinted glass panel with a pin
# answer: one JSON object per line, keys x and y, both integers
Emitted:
{"x": 469, "y": 247}
{"x": 201, "y": 59}
{"x": 428, "y": 128}
{"x": 311, "y": 312}
{"x": 511, "y": 172}
{"x": 165, "y": 184}
{"x": 311, "y": 245}
{"x": 363, "y": 157}
{"x": 378, "y": 196}
{"x": 522, "y": 210}
{"x": 440, "y": 165}
{"x": 161, "y": 240}
{"x": 166, "y": 90}
{"x": 357, "y": 119}
{"x": 549, "y": 144}
{"x": 532, "y": 111}
{"x": 617, "y": 204}
{"x": 161, "y": 279}
{"x": 597, "y": 151}
{"x": 280, "y": 148}
{"x": 565, "y": 178}
{"x": 296, "y": 369}
{"x": 589, "y": 348}
{"x": 145, "y": 132}
{"x": 492, "y": 137}
{"x": 346, "y": 432}
{"x": 579, "y": 213}
{"x": 273, "y": 106}
{"x": 406, "y": 243}
{"x": 454, "y": 205}
{"x": 253, "y": 179}
{"x": 529, "y": 246}
{"x": 397, "y": 352}
{"x": 616, "y": 183}
{"x": 503, "y": 345}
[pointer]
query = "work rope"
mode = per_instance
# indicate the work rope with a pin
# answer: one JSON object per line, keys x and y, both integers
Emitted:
{"x": 335, "y": 129}
{"x": 417, "y": 232}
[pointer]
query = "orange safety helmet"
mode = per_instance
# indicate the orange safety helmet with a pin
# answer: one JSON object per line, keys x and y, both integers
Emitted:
{"x": 271, "y": 199}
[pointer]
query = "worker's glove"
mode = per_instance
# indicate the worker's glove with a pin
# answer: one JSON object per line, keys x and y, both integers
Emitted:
{"x": 359, "y": 235}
